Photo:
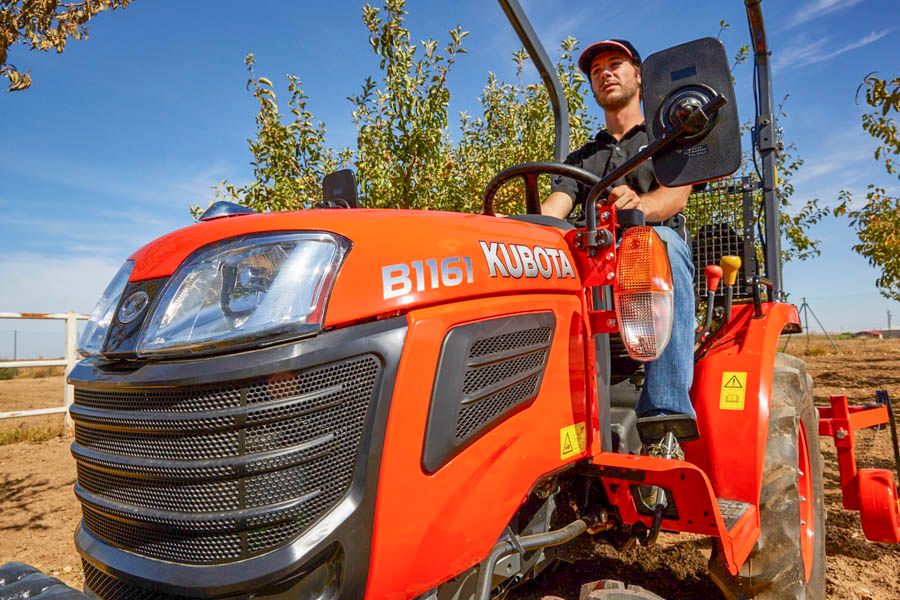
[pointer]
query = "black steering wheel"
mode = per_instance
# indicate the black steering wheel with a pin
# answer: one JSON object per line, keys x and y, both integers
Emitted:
{"x": 529, "y": 172}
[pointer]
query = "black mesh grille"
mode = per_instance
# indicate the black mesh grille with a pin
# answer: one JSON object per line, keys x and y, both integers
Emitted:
{"x": 163, "y": 542}
{"x": 163, "y": 401}
{"x": 110, "y": 588}
{"x": 721, "y": 221}
{"x": 184, "y": 447}
{"x": 511, "y": 361}
{"x": 286, "y": 454}
{"x": 509, "y": 341}
{"x": 472, "y": 416}
{"x": 482, "y": 377}
{"x": 488, "y": 370}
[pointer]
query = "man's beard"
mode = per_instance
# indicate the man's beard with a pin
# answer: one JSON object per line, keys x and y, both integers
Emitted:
{"x": 619, "y": 101}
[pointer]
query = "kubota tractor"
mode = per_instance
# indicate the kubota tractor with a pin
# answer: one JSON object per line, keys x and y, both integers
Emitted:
{"x": 351, "y": 403}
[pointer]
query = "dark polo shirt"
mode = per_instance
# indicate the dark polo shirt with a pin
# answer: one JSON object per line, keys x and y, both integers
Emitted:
{"x": 603, "y": 154}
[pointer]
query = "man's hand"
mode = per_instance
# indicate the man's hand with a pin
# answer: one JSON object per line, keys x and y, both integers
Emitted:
{"x": 623, "y": 196}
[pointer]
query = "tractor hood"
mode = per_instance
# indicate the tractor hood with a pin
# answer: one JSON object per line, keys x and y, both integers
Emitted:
{"x": 398, "y": 259}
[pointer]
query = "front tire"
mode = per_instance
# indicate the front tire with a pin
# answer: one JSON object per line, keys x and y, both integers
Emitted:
{"x": 788, "y": 560}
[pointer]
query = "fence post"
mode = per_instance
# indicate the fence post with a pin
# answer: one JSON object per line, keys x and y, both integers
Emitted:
{"x": 71, "y": 359}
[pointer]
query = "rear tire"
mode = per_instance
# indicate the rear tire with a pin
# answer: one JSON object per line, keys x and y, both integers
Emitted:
{"x": 776, "y": 568}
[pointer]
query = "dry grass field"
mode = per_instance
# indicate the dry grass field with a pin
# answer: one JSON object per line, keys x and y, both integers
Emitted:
{"x": 38, "y": 512}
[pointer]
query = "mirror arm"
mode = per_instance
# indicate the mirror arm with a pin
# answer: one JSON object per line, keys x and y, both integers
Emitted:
{"x": 696, "y": 121}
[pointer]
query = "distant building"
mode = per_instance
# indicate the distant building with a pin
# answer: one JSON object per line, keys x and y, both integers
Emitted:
{"x": 872, "y": 333}
{"x": 890, "y": 333}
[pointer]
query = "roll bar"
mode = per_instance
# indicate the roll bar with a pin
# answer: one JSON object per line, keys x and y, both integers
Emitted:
{"x": 539, "y": 57}
{"x": 765, "y": 141}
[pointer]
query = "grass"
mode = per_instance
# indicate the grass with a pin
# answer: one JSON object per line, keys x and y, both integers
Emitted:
{"x": 40, "y": 372}
{"x": 31, "y": 433}
{"x": 7, "y": 373}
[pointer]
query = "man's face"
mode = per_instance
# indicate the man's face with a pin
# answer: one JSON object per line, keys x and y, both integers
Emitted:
{"x": 615, "y": 80}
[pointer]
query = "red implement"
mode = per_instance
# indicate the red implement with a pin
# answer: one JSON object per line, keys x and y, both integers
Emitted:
{"x": 872, "y": 492}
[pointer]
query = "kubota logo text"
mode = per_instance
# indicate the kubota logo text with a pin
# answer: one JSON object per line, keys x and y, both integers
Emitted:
{"x": 516, "y": 260}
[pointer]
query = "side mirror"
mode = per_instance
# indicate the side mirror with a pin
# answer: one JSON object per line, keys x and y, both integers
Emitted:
{"x": 676, "y": 81}
{"x": 339, "y": 190}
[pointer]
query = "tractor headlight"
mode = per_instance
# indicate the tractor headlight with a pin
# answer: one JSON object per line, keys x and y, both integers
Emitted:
{"x": 94, "y": 334}
{"x": 247, "y": 291}
{"x": 644, "y": 293}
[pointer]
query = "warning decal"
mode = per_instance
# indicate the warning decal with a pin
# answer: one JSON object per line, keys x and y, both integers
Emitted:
{"x": 572, "y": 440}
{"x": 734, "y": 390}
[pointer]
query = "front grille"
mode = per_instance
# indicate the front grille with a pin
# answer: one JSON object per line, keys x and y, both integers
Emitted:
{"x": 110, "y": 588}
{"x": 213, "y": 475}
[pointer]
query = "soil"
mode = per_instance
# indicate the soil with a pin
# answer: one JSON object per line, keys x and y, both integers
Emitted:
{"x": 27, "y": 393}
{"x": 38, "y": 511}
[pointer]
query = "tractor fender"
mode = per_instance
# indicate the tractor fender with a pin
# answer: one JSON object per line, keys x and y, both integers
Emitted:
{"x": 730, "y": 393}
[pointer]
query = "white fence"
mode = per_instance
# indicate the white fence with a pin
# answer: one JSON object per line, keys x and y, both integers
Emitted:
{"x": 71, "y": 357}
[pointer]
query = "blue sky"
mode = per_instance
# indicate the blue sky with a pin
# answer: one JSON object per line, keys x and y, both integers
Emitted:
{"x": 122, "y": 132}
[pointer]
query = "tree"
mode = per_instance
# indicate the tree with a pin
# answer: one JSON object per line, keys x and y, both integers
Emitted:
{"x": 406, "y": 156}
{"x": 44, "y": 25}
{"x": 877, "y": 222}
{"x": 403, "y": 146}
{"x": 516, "y": 125}
{"x": 289, "y": 160}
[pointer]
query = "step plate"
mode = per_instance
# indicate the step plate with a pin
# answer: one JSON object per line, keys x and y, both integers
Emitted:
{"x": 732, "y": 511}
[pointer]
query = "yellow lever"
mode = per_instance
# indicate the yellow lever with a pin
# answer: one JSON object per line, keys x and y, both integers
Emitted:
{"x": 730, "y": 266}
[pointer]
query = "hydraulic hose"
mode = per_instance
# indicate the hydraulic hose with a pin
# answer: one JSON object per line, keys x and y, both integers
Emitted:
{"x": 527, "y": 542}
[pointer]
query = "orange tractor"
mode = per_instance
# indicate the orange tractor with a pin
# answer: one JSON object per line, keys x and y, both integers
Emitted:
{"x": 352, "y": 403}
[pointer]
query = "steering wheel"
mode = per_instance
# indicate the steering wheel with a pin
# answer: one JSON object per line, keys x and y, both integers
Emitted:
{"x": 529, "y": 172}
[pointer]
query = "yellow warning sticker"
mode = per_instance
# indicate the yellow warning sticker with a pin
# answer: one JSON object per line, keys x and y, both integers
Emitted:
{"x": 734, "y": 390}
{"x": 572, "y": 440}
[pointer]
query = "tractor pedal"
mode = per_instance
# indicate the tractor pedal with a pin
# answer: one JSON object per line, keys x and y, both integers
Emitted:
{"x": 732, "y": 511}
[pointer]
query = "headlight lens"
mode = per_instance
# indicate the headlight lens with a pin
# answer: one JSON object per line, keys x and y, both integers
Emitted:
{"x": 94, "y": 334}
{"x": 264, "y": 287}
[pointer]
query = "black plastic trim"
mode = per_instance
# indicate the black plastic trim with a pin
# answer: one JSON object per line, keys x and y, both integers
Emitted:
{"x": 347, "y": 526}
{"x": 448, "y": 396}
{"x": 122, "y": 338}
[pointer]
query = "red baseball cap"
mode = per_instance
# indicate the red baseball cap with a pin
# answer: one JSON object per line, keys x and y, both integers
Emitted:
{"x": 614, "y": 45}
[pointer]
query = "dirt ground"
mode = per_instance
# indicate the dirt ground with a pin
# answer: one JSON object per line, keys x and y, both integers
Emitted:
{"x": 38, "y": 512}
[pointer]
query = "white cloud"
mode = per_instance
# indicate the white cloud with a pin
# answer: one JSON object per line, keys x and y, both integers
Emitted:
{"x": 157, "y": 186}
{"x": 53, "y": 283}
{"x": 820, "y": 50}
{"x": 819, "y": 8}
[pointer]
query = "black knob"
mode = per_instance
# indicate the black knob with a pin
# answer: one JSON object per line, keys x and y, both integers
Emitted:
{"x": 630, "y": 217}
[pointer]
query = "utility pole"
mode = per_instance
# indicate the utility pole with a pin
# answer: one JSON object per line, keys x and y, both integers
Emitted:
{"x": 889, "y": 323}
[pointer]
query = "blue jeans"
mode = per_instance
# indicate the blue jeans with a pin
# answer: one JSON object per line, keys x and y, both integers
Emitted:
{"x": 667, "y": 384}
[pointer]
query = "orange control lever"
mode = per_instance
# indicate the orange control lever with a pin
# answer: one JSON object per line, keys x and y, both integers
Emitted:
{"x": 713, "y": 274}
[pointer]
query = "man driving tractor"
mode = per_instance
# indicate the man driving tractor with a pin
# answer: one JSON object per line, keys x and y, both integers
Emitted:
{"x": 614, "y": 70}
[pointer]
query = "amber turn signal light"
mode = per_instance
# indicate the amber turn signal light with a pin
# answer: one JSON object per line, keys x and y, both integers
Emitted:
{"x": 644, "y": 293}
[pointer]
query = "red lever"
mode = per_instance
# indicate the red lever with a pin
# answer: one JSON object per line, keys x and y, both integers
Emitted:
{"x": 713, "y": 275}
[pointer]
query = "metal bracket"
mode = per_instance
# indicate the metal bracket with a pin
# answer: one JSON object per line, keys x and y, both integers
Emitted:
{"x": 765, "y": 133}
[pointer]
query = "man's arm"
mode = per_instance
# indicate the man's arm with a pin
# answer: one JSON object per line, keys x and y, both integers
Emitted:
{"x": 657, "y": 205}
{"x": 557, "y": 204}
